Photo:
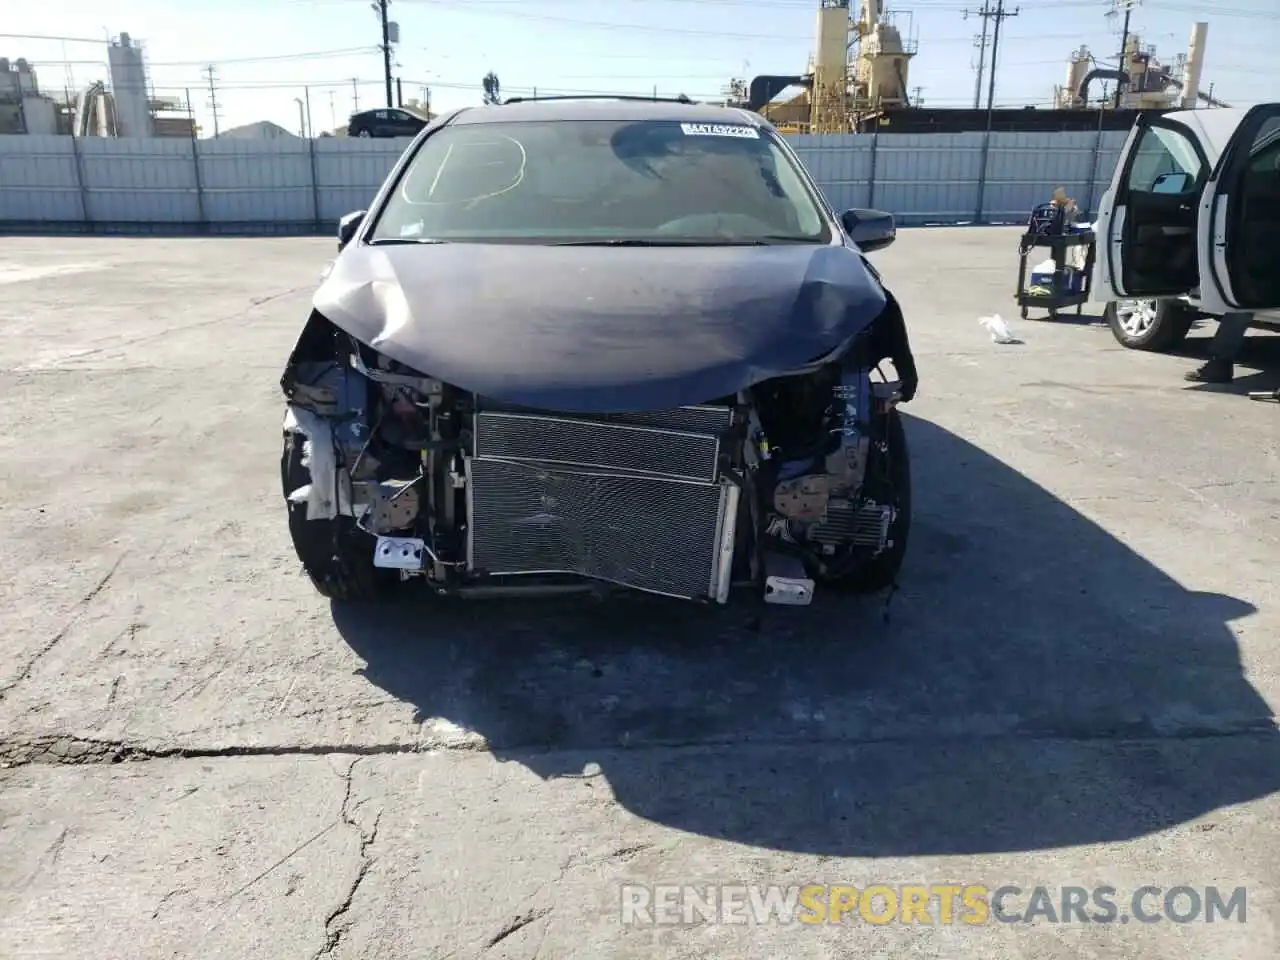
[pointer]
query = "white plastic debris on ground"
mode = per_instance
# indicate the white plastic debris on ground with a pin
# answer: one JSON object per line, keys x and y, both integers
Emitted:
{"x": 999, "y": 329}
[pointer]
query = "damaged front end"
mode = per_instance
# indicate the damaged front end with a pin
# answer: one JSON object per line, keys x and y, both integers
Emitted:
{"x": 392, "y": 475}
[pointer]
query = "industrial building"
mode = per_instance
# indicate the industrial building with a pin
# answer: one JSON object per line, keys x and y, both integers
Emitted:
{"x": 1153, "y": 85}
{"x": 124, "y": 108}
{"x": 23, "y": 108}
{"x": 856, "y": 81}
{"x": 858, "y": 67}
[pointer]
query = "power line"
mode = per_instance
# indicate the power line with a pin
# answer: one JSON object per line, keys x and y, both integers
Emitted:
{"x": 45, "y": 36}
{"x": 275, "y": 58}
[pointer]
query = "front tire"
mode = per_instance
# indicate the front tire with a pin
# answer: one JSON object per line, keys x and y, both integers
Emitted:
{"x": 881, "y": 572}
{"x": 336, "y": 554}
{"x": 1150, "y": 324}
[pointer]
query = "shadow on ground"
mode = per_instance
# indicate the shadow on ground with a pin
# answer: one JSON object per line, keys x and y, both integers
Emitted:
{"x": 1069, "y": 317}
{"x": 1257, "y": 366}
{"x": 1039, "y": 685}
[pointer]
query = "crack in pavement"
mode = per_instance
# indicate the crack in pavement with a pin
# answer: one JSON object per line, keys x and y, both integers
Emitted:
{"x": 79, "y": 609}
{"x": 532, "y": 914}
{"x": 515, "y": 924}
{"x": 66, "y": 750}
{"x": 337, "y": 923}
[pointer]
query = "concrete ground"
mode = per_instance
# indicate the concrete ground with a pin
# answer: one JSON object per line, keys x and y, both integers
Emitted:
{"x": 203, "y": 759}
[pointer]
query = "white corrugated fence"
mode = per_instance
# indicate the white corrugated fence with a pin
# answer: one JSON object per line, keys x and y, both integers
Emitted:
{"x": 58, "y": 183}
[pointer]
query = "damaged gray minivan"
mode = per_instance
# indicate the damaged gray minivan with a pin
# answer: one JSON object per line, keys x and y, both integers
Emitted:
{"x": 600, "y": 341}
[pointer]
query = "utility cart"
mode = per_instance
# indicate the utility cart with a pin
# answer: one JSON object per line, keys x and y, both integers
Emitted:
{"x": 1070, "y": 288}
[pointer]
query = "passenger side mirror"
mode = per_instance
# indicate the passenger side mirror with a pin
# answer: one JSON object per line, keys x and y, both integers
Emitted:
{"x": 869, "y": 229}
{"x": 348, "y": 226}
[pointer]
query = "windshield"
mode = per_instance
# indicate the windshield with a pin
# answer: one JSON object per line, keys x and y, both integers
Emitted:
{"x": 602, "y": 181}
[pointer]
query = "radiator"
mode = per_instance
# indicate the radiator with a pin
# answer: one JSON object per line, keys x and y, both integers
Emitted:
{"x": 639, "y": 506}
{"x": 597, "y": 444}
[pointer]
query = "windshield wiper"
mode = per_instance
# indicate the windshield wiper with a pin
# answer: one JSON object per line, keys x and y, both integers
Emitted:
{"x": 679, "y": 242}
{"x": 632, "y": 242}
{"x": 394, "y": 241}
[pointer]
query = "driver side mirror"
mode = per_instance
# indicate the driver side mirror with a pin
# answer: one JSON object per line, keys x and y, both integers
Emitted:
{"x": 1178, "y": 182}
{"x": 869, "y": 229}
{"x": 348, "y": 226}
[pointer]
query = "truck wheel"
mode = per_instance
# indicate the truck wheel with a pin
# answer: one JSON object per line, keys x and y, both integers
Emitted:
{"x": 336, "y": 554}
{"x": 1150, "y": 324}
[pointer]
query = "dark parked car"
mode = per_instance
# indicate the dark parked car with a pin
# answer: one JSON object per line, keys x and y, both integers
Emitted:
{"x": 600, "y": 341}
{"x": 386, "y": 122}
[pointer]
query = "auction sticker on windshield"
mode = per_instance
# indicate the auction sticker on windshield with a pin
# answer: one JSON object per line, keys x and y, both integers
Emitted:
{"x": 719, "y": 130}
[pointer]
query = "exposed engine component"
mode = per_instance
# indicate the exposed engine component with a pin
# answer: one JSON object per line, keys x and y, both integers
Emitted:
{"x": 863, "y": 525}
{"x": 819, "y": 497}
{"x": 390, "y": 506}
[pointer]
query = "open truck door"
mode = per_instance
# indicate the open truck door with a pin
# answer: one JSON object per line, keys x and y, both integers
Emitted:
{"x": 1238, "y": 237}
{"x": 1146, "y": 225}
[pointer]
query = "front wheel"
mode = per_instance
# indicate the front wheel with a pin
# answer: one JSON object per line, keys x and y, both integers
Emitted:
{"x": 1149, "y": 324}
{"x": 336, "y": 554}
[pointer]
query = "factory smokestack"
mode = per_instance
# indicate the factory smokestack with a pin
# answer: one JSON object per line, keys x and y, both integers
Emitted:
{"x": 1195, "y": 66}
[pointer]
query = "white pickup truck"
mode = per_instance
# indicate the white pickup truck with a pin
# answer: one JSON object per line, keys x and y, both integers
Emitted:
{"x": 1190, "y": 226}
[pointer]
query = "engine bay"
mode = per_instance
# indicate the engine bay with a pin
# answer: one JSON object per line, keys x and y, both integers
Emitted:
{"x": 783, "y": 486}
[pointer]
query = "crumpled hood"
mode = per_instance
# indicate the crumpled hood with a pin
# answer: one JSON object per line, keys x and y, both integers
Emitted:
{"x": 600, "y": 329}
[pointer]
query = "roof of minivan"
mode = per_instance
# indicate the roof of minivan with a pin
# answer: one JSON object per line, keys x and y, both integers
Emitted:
{"x": 609, "y": 110}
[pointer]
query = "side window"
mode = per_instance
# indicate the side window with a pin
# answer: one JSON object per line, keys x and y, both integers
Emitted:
{"x": 1164, "y": 161}
{"x": 380, "y": 115}
{"x": 1254, "y": 222}
{"x": 1265, "y": 156}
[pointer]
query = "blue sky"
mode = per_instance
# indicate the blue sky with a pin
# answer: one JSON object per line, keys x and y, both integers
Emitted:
{"x": 268, "y": 52}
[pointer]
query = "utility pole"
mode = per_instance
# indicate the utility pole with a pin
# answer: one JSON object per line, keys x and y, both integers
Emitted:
{"x": 999, "y": 15}
{"x": 213, "y": 96}
{"x": 981, "y": 43}
{"x": 355, "y": 95}
{"x": 333, "y": 113}
{"x": 399, "y": 93}
{"x": 1127, "y": 6}
{"x": 381, "y": 7}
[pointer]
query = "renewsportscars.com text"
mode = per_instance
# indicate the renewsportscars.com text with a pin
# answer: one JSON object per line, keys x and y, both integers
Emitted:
{"x": 940, "y": 904}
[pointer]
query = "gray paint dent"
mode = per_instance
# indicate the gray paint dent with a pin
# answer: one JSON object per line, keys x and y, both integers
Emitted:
{"x": 600, "y": 329}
